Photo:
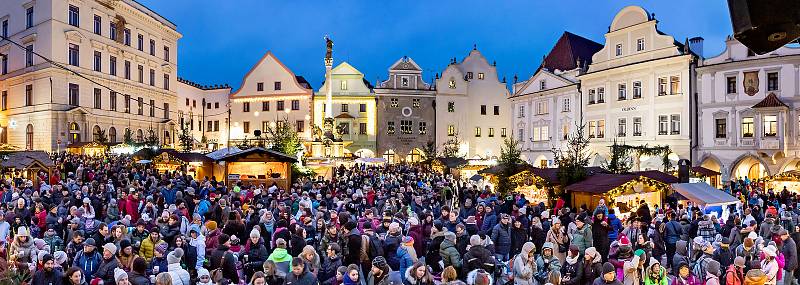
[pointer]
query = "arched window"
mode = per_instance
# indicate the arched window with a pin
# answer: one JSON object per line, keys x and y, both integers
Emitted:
{"x": 29, "y": 137}
{"x": 96, "y": 133}
{"x": 139, "y": 135}
{"x": 74, "y": 132}
{"x": 112, "y": 135}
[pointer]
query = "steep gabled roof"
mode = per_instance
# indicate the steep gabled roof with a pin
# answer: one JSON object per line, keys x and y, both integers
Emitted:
{"x": 568, "y": 49}
{"x": 771, "y": 101}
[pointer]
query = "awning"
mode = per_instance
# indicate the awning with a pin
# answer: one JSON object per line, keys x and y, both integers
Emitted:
{"x": 476, "y": 177}
{"x": 704, "y": 194}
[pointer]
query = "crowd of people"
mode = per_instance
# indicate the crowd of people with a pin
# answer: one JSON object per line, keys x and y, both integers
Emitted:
{"x": 108, "y": 220}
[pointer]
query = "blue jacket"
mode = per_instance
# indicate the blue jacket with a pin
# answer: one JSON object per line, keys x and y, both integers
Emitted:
{"x": 501, "y": 236}
{"x": 88, "y": 263}
{"x": 169, "y": 195}
{"x": 202, "y": 207}
{"x": 616, "y": 227}
{"x": 405, "y": 259}
{"x": 489, "y": 221}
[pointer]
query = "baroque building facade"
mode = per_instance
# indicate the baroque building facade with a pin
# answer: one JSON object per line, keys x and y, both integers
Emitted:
{"x": 203, "y": 109}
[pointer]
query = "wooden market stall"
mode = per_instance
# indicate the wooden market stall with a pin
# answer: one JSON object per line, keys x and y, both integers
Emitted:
{"x": 194, "y": 164}
{"x": 258, "y": 166}
{"x": 787, "y": 179}
{"x": 26, "y": 164}
{"x": 622, "y": 192}
{"x": 707, "y": 175}
{"x": 448, "y": 165}
{"x": 87, "y": 148}
{"x": 537, "y": 184}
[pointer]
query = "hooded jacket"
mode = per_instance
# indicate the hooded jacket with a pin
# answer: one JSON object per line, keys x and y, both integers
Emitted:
{"x": 681, "y": 256}
{"x": 632, "y": 274}
{"x": 660, "y": 278}
{"x": 546, "y": 264}
{"x": 523, "y": 270}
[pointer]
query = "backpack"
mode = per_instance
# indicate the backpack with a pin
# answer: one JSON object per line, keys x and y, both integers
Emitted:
{"x": 365, "y": 249}
{"x": 375, "y": 247}
{"x": 216, "y": 274}
{"x": 699, "y": 269}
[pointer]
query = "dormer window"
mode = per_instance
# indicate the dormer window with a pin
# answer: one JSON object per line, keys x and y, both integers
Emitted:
{"x": 469, "y": 75}
{"x": 542, "y": 85}
{"x": 640, "y": 44}
{"x": 618, "y": 50}
{"x": 404, "y": 81}
{"x": 452, "y": 84}
{"x": 343, "y": 85}
{"x": 480, "y": 75}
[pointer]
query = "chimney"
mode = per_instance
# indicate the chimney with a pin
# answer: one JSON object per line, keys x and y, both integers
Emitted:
{"x": 696, "y": 45}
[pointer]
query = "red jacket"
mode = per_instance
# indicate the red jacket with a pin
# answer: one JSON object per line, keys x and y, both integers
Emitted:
{"x": 734, "y": 276}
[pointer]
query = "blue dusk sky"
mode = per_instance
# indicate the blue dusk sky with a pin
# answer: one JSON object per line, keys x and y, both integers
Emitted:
{"x": 222, "y": 40}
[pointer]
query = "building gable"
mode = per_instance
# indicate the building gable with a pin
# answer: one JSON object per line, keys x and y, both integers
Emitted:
{"x": 273, "y": 77}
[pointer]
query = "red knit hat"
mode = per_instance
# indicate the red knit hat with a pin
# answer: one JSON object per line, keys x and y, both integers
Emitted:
{"x": 624, "y": 241}
{"x": 96, "y": 281}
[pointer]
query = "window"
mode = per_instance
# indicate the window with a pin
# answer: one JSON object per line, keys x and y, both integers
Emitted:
{"x": 112, "y": 135}
{"x": 216, "y": 126}
{"x": 260, "y": 86}
{"x": 112, "y": 101}
{"x": 141, "y": 74}
{"x": 295, "y": 105}
{"x": 541, "y": 107}
{"x": 140, "y": 104}
{"x": 503, "y": 132}
{"x": 663, "y": 125}
{"x": 343, "y": 85}
{"x": 140, "y": 42}
{"x": 545, "y": 133}
{"x": 477, "y": 131}
{"x": 662, "y": 86}
{"x": 406, "y": 127}
{"x": 415, "y": 103}
{"x": 126, "y": 37}
{"x": 394, "y": 103}
{"x": 404, "y": 81}
{"x": 112, "y": 31}
{"x": 166, "y": 53}
{"x": 210, "y": 126}
{"x": 675, "y": 124}
{"x": 153, "y": 110}
{"x": 300, "y": 126}
{"x": 98, "y": 99}
{"x": 469, "y": 75}
{"x": 423, "y": 128}
{"x": 591, "y": 96}
{"x": 4, "y": 101}
{"x": 127, "y": 103}
{"x": 730, "y": 83}
{"x": 265, "y": 106}
{"x": 246, "y": 107}
{"x": 565, "y": 105}
{"x": 246, "y": 127}
{"x": 98, "y": 25}
{"x": 216, "y": 105}
{"x": 29, "y": 95}
{"x": 451, "y": 130}
{"x": 74, "y": 55}
{"x": 565, "y": 131}
{"x": 497, "y": 110}
{"x": 483, "y": 109}
{"x": 721, "y": 128}
{"x": 452, "y": 84}
{"x": 747, "y": 127}
{"x": 74, "y": 94}
{"x": 152, "y": 47}
{"x": 542, "y": 85}
{"x": 772, "y": 81}
{"x": 637, "y": 89}
{"x": 29, "y": 55}
{"x": 345, "y": 108}
{"x": 601, "y": 95}
{"x": 674, "y": 85}
{"x": 166, "y": 82}
{"x": 4, "y": 31}
{"x": 152, "y": 77}
{"x": 592, "y": 129}
{"x": 98, "y": 61}
{"x": 491, "y": 132}
{"x": 639, "y": 44}
{"x": 362, "y": 108}
{"x": 521, "y": 112}
{"x": 4, "y": 64}
{"x": 29, "y": 135}
{"x": 480, "y": 75}
{"x": 277, "y": 85}
{"x": 770, "y": 125}
{"x": 74, "y": 16}
{"x": 520, "y": 134}
{"x": 166, "y": 110}
{"x": 280, "y": 105}
{"x": 536, "y": 134}
{"x": 622, "y": 92}
{"x": 344, "y": 128}
{"x": 451, "y": 107}
{"x": 618, "y": 50}
{"x": 637, "y": 127}
{"x": 621, "y": 127}
{"x": 127, "y": 71}
{"x": 601, "y": 128}
{"x": 187, "y": 101}
{"x": 390, "y": 128}
{"x": 29, "y": 18}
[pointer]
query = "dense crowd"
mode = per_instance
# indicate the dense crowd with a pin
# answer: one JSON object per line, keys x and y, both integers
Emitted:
{"x": 112, "y": 221}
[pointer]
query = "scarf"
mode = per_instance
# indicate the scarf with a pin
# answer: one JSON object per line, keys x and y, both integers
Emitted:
{"x": 572, "y": 259}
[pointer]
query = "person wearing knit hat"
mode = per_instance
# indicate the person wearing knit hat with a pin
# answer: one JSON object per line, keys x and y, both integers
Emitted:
{"x": 59, "y": 257}
{"x": 203, "y": 277}
{"x": 111, "y": 248}
{"x": 211, "y": 226}
{"x": 655, "y": 273}
{"x": 178, "y": 274}
{"x": 713, "y": 272}
{"x": 609, "y": 275}
{"x": 120, "y": 276}
{"x": 161, "y": 249}
{"x": 755, "y": 277}
{"x": 47, "y": 275}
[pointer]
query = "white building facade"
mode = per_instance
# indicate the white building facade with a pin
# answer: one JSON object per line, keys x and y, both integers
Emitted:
{"x": 749, "y": 112}
{"x": 472, "y": 104}
{"x": 117, "y": 44}
{"x": 638, "y": 90}
{"x": 203, "y": 109}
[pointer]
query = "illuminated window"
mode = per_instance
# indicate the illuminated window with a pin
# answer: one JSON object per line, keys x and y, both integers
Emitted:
{"x": 503, "y": 132}
{"x": 394, "y": 103}
{"x": 592, "y": 129}
{"x": 601, "y": 128}
{"x": 477, "y": 131}
{"x": 451, "y": 130}
{"x": 389, "y": 128}
{"x": 406, "y": 127}
{"x": 491, "y": 132}
{"x": 452, "y": 84}
{"x": 662, "y": 86}
{"x": 674, "y": 85}
{"x": 415, "y": 103}
{"x": 343, "y": 85}
{"x": 451, "y": 107}
{"x": 721, "y": 128}
{"x": 480, "y": 75}
{"x": 770, "y": 125}
{"x": 423, "y": 128}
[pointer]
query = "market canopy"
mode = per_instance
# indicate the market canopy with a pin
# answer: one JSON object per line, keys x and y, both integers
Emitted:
{"x": 704, "y": 194}
{"x": 27, "y": 159}
{"x": 704, "y": 171}
{"x": 258, "y": 151}
{"x": 603, "y": 182}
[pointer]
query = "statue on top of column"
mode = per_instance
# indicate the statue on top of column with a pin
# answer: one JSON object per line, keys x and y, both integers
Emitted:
{"x": 329, "y": 45}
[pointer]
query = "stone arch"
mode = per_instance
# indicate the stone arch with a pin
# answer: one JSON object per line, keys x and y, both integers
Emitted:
{"x": 744, "y": 166}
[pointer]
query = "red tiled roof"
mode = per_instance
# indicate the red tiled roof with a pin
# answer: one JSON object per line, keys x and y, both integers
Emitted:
{"x": 569, "y": 48}
{"x": 770, "y": 101}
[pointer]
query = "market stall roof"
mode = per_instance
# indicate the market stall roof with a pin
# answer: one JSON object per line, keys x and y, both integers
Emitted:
{"x": 551, "y": 174}
{"x": 26, "y": 159}
{"x": 604, "y": 182}
{"x": 216, "y": 155}
{"x": 476, "y": 177}
{"x": 705, "y": 171}
{"x": 86, "y": 144}
{"x": 258, "y": 150}
{"x": 452, "y": 162}
{"x": 704, "y": 194}
{"x": 186, "y": 156}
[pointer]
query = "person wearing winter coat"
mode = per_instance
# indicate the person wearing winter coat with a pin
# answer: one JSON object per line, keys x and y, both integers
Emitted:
{"x": 582, "y": 238}
{"x": 681, "y": 255}
{"x": 299, "y": 274}
{"x": 501, "y": 237}
{"x": 406, "y": 254}
{"x": 281, "y": 257}
{"x": 48, "y": 275}
{"x": 655, "y": 274}
{"x": 592, "y": 266}
{"x": 684, "y": 276}
{"x": 572, "y": 269}
{"x": 713, "y": 273}
{"x": 477, "y": 255}
{"x": 734, "y": 275}
{"x": 256, "y": 253}
{"x": 633, "y": 269}
{"x": 418, "y": 275}
{"x": 331, "y": 262}
{"x": 448, "y": 251}
{"x": 525, "y": 265}
{"x": 394, "y": 237}
{"x": 608, "y": 276}
{"x": 724, "y": 254}
{"x": 179, "y": 275}
{"x": 557, "y": 237}
{"x": 106, "y": 269}
{"x": 382, "y": 274}
{"x": 88, "y": 260}
{"x": 600, "y": 232}
{"x": 789, "y": 250}
{"x": 223, "y": 258}
{"x": 137, "y": 274}
{"x": 546, "y": 262}
{"x": 489, "y": 220}
{"x": 22, "y": 247}
{"x": 149, "y": 244}
{"x": 769, "y": 265}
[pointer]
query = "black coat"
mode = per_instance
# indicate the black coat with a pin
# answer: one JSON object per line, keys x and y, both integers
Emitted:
{"x": 390, "y": 245}
{"x": 54, "y": 277}
{"x": 327, "y": 274}
{"x": 138, "y": 279}
{"x": 600, "y": 237}
{"x": 354, "y": 248}
{"x": 518, "y": 237}
{"x": 228, "y": 267}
